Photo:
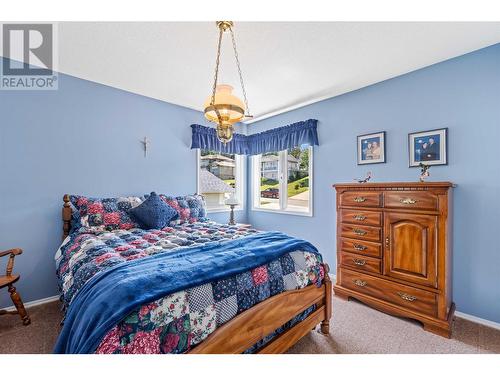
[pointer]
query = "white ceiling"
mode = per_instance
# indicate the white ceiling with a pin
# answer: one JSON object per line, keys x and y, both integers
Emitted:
{"x": 285, "y": 64}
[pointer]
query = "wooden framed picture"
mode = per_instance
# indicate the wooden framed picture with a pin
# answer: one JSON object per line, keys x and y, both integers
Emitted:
{"x": 428, "y": 147}
{"x": 371, "y": 148}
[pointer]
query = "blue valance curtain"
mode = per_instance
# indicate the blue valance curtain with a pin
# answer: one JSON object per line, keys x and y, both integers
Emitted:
{"x": 284, "y": 138}
{"x": 205, "y": 138}
{"x": 278, "y": 139}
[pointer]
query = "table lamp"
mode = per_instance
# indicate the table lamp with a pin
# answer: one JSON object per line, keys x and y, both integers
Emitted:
{"x": 232, "y": 202}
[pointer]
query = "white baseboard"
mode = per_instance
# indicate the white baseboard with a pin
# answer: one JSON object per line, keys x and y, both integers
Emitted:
{"x": 475, "y": 319}
{"x": 472, "y": 318}
{"x": 34, "y": 303}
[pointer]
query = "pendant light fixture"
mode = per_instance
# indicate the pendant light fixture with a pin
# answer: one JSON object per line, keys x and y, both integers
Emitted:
{"x": 222, "y": 107}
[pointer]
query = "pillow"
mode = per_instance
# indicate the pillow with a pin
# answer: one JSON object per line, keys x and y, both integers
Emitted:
{"x": 184, "y": 211}
{"x": 180, "y": 205}
{"x": 197, "y": 206}
{"x": 75, "y": 218}
{"x": 153, "y": 213}
{"x": 101, "y": 214}
{"x": 190, "y": 208}
{"x": 172, "y": 202}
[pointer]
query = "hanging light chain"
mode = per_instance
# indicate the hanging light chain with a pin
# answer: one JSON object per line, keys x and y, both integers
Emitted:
{"x": 216, "y": 76}
{"x": 240, "y": 74}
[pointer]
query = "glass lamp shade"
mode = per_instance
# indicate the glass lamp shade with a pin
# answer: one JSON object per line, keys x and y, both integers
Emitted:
{"x": 232, "y": 200}
{"x": 225, "y": 132}
{"x": 230, "y": 107}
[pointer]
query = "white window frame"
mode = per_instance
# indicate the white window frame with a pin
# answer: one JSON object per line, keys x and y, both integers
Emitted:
{"x": 240, "y": 180}
{"x": 283, "y": 182}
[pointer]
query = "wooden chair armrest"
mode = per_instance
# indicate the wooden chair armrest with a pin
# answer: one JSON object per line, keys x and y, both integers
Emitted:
{"x": 14, "y": 252}
{"x": 10, "y": 263}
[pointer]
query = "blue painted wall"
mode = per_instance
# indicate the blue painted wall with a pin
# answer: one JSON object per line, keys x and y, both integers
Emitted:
{"x": 462, "y": 94}
{"x": 82, "y": 139}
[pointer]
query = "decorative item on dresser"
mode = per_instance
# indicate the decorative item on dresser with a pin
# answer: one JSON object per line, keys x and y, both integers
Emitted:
{"x": 394, "y": 249}
{"x": 424, "y": 172}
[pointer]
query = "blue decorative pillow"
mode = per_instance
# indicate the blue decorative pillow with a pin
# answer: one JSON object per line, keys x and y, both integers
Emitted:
{"x": 153, "y": 213}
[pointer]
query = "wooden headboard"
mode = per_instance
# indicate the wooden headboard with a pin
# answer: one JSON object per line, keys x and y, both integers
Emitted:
{"x": 67, "y": 213}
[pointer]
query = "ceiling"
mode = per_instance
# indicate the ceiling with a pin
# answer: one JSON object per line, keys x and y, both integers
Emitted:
{"x": 285, "y": 64}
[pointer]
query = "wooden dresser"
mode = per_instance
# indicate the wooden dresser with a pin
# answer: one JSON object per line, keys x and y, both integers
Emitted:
{"x": 394, "y": 249}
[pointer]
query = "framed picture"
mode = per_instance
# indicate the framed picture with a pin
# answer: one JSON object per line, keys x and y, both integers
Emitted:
{"x": 371, "y": 148}
{"x": 428, "y": 147}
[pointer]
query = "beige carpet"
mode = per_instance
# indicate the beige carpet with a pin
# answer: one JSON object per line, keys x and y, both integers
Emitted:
{"x": 355, "y": 328}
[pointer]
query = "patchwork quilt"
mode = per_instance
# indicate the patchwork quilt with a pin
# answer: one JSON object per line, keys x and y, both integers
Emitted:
{"x": 177, "y": 322}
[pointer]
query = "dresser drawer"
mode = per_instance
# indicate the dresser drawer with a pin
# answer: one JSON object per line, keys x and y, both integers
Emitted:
{"x": 361, "y": 247}
{"x": 413, "y": 199}
{"x": 402, "y": 295}
{"x": 360, "y": 232}
{"x": 360, "y": 262}
{"x": 361, "y": 217}
{"x": 361, "y": 199}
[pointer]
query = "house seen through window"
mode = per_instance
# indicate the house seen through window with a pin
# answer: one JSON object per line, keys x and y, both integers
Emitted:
{"x": 282, "y": 180}
{"x": 219, "y": 176}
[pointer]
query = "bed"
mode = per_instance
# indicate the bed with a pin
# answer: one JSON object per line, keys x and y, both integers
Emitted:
{"x": 195, "y": 287}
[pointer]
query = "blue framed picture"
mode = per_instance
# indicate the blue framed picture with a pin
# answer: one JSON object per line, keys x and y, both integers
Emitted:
{"x": 428, "y": 147}
{"x": 371, "y": 148}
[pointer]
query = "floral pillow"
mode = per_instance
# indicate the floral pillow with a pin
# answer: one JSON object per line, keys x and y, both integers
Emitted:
{"x": 181, "y": 206}
{"x": 184, "y": 211}
{"x": 100, "y": 214}
{"x": 197, "y": 206}
{"x": 191, "y": 208}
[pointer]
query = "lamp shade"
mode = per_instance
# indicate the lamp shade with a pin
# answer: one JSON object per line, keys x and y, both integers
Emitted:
{"x": 230, "y": 107}
{"x": 232, "y": 200}
{"x": 225, "y": 132}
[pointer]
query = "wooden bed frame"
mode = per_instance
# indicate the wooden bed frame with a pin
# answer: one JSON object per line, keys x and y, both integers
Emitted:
{"x": 252, "y": 325}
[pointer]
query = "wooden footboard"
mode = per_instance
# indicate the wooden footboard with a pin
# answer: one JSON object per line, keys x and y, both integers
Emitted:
{"x": 254, "y": 324}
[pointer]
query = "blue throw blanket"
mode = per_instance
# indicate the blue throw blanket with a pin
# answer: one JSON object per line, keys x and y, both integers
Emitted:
{"x": 110, "y": 296}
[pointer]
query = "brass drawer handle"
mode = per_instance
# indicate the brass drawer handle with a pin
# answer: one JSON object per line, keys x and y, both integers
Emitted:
{"x": 360, "y": 282}
{"x": 359, "y": 217}
{"x": 407, "y": 297}
{"x": 359, "y": 231}
{"x": 359, "y": 199}
{"x": 360, "y": 247}
{"x": 359, "y": 262}
{"x": 408, "y": 201}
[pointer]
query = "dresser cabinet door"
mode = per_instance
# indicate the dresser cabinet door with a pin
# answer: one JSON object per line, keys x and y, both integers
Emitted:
{"x": 411, "y": 247}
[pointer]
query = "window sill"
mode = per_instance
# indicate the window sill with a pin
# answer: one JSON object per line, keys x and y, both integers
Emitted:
{"x": 218, "y": 210}
{"x": 295, "y": 213}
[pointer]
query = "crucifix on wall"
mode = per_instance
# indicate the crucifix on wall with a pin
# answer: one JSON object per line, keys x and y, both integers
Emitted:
{"x": 145, "y": 143}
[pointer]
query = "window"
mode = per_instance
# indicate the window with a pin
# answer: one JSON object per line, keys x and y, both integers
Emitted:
{"x": 282, "y": 181}
{"x": 219, "y": 176}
